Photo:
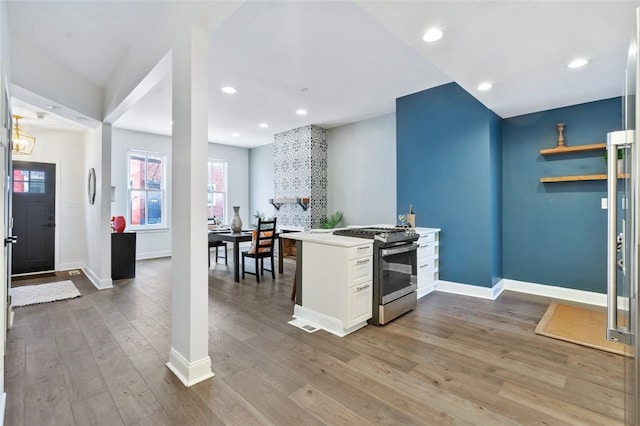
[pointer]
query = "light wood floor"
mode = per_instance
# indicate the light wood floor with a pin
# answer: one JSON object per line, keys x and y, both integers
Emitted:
{"x": 100, "y": 360}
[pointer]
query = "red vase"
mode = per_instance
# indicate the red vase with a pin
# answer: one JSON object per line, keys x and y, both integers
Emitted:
{"x": 119, "y": 223}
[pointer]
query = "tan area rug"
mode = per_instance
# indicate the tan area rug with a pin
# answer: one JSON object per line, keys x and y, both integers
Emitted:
{"x": 584, "y": 326}
{"x": 43, "y": 293}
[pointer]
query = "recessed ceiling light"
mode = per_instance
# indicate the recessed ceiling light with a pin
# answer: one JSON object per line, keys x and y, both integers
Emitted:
{"x": 235, "y": 134}
{"x": 52, "y": 107}
{"x": 432, "y": 35}
{"x": 264, "y": 125}
{"x": 228, "y": 89}
{"x": 301, "y": 111}
{"x": 484, "y": 86}
{"x": 577, "y": 63}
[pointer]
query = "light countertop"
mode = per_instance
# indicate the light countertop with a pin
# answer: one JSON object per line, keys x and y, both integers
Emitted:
{"x": 325, "y": 236}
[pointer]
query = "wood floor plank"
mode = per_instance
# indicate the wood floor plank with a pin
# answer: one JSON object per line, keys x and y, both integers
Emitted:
{"x": 559, "y": 409}
{"x": 454, "y": 360}
{"x": 98, "y": 410}
{"x": 531, "y": 371}
{"x": 324, "y": 408}
{"x": 82, "y": 375}
{"x": 228, "y": 404}
{"x": 283, "y": 379}
{"x": 47, "y": 403}
{"x": 131, "y": 395}
{"x": 406, "y": 405}
{"x": 181, "y": 406}
{"x": 445, "y": 401}
{"x": 456, "y": 380}
{"x": 271, "y": 402}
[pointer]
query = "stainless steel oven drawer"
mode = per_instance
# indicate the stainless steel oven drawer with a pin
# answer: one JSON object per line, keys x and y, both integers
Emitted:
{"x": 396, "y": 308}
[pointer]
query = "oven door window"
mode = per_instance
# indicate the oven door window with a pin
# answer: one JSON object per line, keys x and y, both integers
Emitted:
{"x": 398, "y": 272}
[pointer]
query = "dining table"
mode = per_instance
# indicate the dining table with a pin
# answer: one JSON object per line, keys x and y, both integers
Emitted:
{"x": 236, "y": 238}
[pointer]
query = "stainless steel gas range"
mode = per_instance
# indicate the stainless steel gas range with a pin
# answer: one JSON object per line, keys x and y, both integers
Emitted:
{"x": 394, "y": 269}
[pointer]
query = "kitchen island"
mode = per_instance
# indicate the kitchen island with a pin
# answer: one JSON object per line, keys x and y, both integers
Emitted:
{"x": 334, "y": 276}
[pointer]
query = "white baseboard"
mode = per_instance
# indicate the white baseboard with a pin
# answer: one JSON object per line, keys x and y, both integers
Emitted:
{"x": 569, "y": 294}
{"x": 189, "y": 373}
{"x": 325, "y": 322}
{"x": 553, "y": 292}
{"x": 153, "y": 254}
{"x": 70, "y": 266}
{"x": 426, "y": 290}
{"x": 99, "y": 283}
{"x": 491, "y": 293}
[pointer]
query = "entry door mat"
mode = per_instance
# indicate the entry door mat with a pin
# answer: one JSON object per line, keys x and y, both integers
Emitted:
{"x": 583, "y": 326}
{"x": 43, "y": 293}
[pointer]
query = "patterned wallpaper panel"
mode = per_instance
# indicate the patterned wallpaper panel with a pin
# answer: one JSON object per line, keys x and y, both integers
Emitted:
{"x": 300, "y": 170}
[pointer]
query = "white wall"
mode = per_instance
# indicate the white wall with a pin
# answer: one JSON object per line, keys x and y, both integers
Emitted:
{"x": 237, "y": 176}
{"x": 66, "y": 150}
{"x": 98, "y": 239}
{"x": 362, "y": 171}
{"x": 261, "y": 180}
{"x": 157, "y": 243}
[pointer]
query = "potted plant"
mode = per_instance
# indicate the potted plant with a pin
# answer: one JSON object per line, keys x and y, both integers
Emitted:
{"x": 258, "y": 215}
{"x": 331, "y": 221}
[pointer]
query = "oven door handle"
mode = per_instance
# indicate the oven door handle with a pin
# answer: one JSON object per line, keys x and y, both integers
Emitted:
{"x": 398, "y": 250}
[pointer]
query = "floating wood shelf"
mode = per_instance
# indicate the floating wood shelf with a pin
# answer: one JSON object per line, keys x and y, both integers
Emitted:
{"x": 578, "y": 178}
{"x": 577, "y": 148}
{"x": 301, "y": 201}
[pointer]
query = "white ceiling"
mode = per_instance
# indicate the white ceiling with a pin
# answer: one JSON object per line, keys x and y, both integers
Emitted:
{"x": 353, "y": 59}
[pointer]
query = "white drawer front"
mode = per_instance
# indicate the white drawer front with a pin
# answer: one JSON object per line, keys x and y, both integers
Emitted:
{"x": 360, "y": 270}
{"x": 427, "y": 270}
{"x": 427, "y": 250}
{"x": 427, "y": 238}
{"x": 361, "y": 251}
{"x": 359, "y": 305}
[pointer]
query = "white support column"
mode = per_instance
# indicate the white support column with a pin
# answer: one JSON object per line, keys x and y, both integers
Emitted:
{"x": 189, "y": 356}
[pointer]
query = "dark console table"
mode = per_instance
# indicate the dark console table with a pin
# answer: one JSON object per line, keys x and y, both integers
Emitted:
{"x": 123, "y": 255}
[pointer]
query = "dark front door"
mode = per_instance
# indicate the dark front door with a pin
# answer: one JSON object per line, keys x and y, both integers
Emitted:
{"x": 34, "y": 204}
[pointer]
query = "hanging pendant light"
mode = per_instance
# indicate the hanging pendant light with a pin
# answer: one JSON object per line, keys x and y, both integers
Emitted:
{"x": 22, "y": 143}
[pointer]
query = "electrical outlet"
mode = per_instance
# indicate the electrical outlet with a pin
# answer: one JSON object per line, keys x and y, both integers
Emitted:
{"x": 603, "y": 203}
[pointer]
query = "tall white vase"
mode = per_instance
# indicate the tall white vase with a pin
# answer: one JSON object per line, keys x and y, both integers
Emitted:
{"x": 236, "y": 222}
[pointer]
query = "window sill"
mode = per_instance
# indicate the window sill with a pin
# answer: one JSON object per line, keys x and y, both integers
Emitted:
{"x": 147, "y": 230}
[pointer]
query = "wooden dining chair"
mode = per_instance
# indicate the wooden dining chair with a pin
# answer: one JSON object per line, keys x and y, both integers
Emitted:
{"x": 218, "y": 245}
{"x": 262, "y": 247}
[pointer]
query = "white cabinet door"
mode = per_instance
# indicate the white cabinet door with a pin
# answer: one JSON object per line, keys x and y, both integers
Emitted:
{"x": 360, "y": 299}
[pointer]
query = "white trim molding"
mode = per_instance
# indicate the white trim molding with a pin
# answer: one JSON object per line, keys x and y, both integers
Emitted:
{"x": 97, "y": 282}
{"x": 189, "y": 373}
{"x": 325, "y": 322}
{"x": 153, "y": 254}
{"x": 491, "y": 293}
{"x": 554, "y": 292}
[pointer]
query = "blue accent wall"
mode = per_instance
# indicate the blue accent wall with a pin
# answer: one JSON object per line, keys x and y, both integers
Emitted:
{"x": 495, "y": 140}
{"x": 555, "y": 233}
{"x": 449, "y": 168}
